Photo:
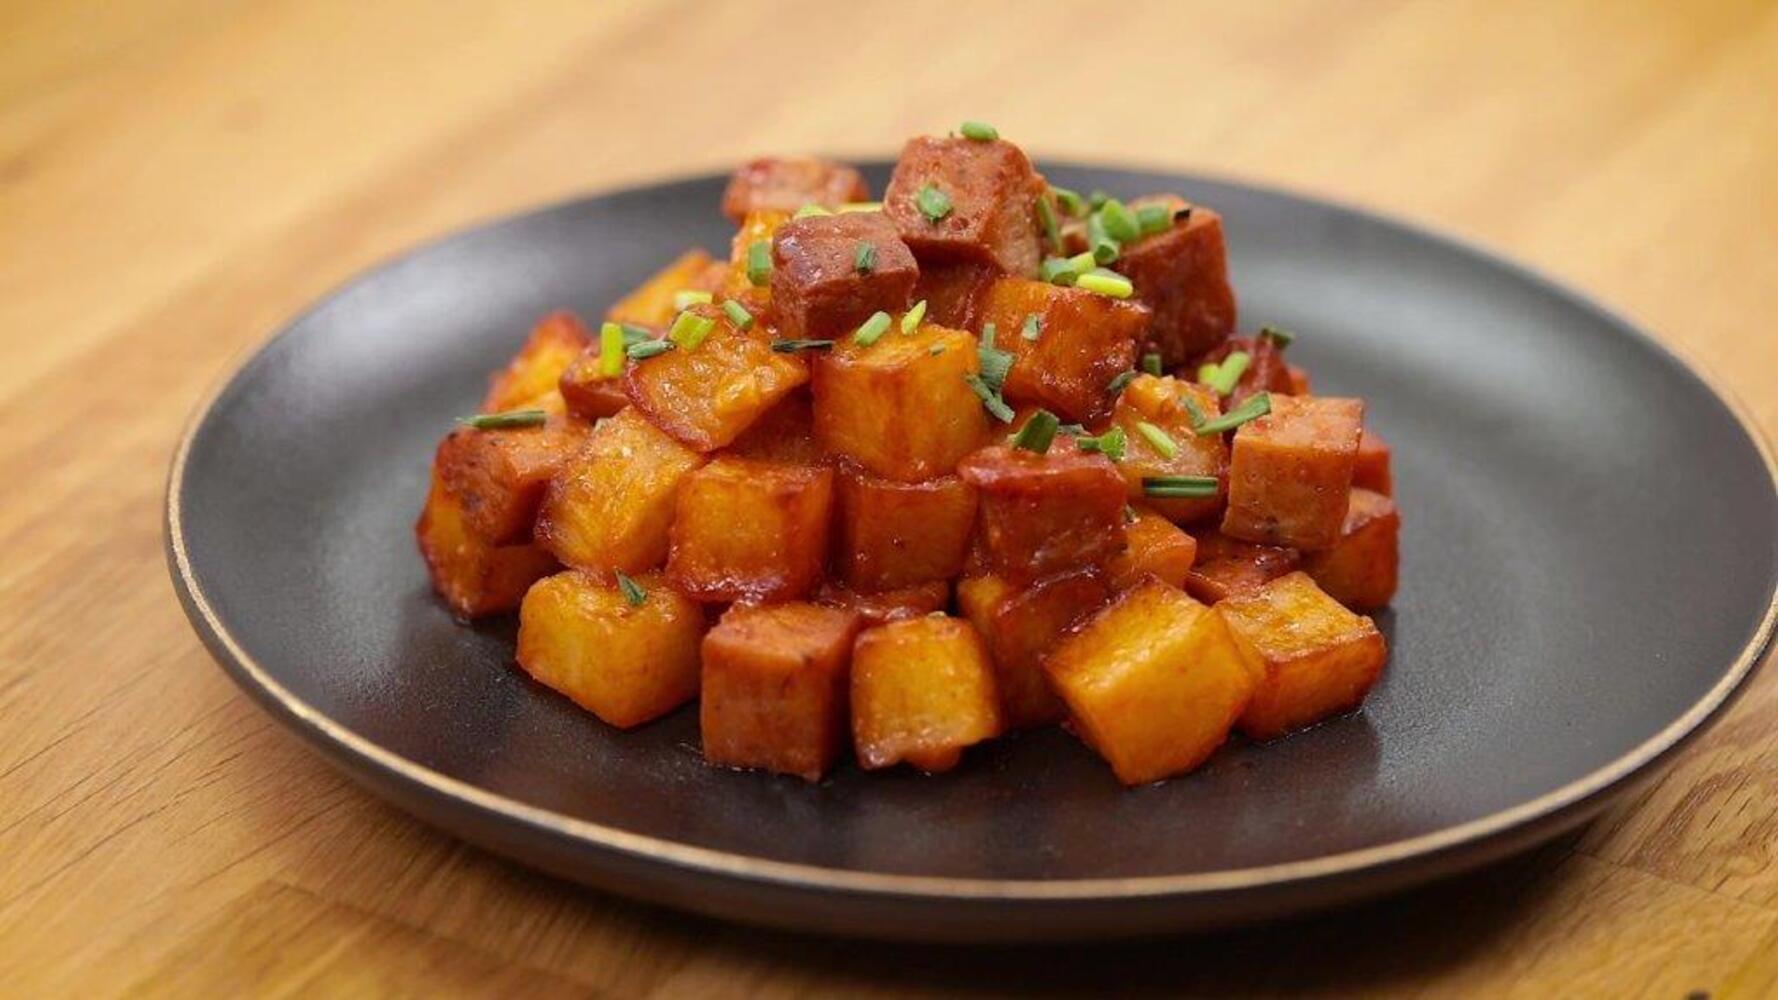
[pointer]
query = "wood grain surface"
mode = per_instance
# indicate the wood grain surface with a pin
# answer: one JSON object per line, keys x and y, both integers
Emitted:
{"x": 176, "y": 177}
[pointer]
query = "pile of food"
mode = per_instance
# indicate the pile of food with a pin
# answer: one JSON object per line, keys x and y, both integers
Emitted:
{"x": 903, "y": 476}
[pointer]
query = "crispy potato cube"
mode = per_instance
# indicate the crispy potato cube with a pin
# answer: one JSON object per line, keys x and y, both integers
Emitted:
{"x": 746, "y": 529}
{"x": 1022, "y": 627}
{"x": 818, "y": 291}
{"x": 650, "y": 304}
{"x": 1291, "y": 470}
{"x": 499, "y": 477}
{"x": 1182, "y": 276}
{"x": 1153, "y": 682}
{"x": 1372, "y": 469}
{"x": 1360, "y": 570}
{"x": 553, "y": 345}
{"x": 1156, "y": 548}
{"x": 588, "y": 392}
{"x": 1083, "y": 341}
{"x": 473, "y": 575}
{"x": 708, "y": 395}
{"x": 900, "y": 408}
{"x": 784, "y": 433}
{"x": 894, "y": 534}
{"x": 787, "y": 183}
{"x": 611, "y": 506}
{"x": 992, "y": 190}
{"x": 888, "y": 605}
{"x": 1158, "y": 401}
{"x": 775, "y": 687}
{"x": 1044, "y": 514}
{"x": 626, "y": 664}
{"x": 953, "y": 292}
{"x": 922, "y": 691}
{"x": 1226, "y": 566}
{"x": 1312, "y": 657}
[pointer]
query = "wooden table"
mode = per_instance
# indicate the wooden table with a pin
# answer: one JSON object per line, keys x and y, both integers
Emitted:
{"x": 178, "y": 177}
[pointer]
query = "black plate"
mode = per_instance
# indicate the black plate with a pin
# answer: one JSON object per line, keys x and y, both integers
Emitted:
{"x": 1591, "y": 552}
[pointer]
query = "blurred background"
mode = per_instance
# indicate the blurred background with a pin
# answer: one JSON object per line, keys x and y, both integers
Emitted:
{"x": 177, "y": 177}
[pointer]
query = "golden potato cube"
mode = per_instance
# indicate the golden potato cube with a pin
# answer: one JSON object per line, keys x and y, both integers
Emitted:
{"x": 1312, "y": 658}
{"x": 900, "y": 408}
{"x": 888, "y": 605}
{"x": 784, "y": 433}
{"x": 1022, "y": 627}
{"x": 553, "y": 345}
{"x": 750, "y": 530}
{"x": 1290, "y": 472}
{"x": 708, "y": 395}
{"x": 894, "y": 534}
{"x": 625, "y": 663}
{"x": 474, "y": 576}
{"x": 1155, "y": 547}
{"x": 1159, "y": 402}
{"x": 1153, "y": 683}
{"x": 1371, "y": 471}
{"x": 1083, "y": 340}
{"x": 499, "y": 477}
{"x": 651, "y": 303}
{"x": 611, "y": 506}
{"x": 1225, "y": 567}
{"x": 775, "y": 687}
{"x": 1360, "y": 570}
{"x": 1045, "y": 514}
{"x": 922, "y": 691}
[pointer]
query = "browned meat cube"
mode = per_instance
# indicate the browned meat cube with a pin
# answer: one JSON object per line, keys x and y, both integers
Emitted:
{"x": 1291, "y": 470}
{"x": 819, "y": 291}
{"x": 1360, "y": 571}
{"x": 1182, "y": 275}
{"x": 1228, "y": 567}
{"x": 787, "y": 183}
{"x": 889, "y": 605}
{"x": 500, "y": 476}
{"x": 953, "y": 292}
{"x": 1372, "y": 470}
{"x": 1021, "y": 627}
{"x": 1156, "y": 548}
{"x": 1082, "y": 341}
{"x": 750, "y": 530}
{"x": 1299, "y": 380}
{"x": 988, "y": 194}
{"x": 775, "y": 684}
{"x": 894, "y": 534}
{"x": 1044, "y": 514}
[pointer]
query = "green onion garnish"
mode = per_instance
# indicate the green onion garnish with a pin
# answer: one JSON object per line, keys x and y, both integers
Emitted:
{"x": 910, "y": 320}
{"x": 1157, "y": 439}
{"x": 793, "y": 346}
{"x": 1283, "y": 338}
{"x": 632, "y": 591}
{"x": 611, "y": 350}
{"x": 864, "y": 259}
{"x": 505, "y": 421}
{"x": 1120, "y": 380}
{"x": 685, "y": 299}
{"x": 1071, "y": 202}
{"x": 1151, "y": 363}
{"x": 1152, "y": 219}
{"x": 1180, "y": 487}
{"x": 1058, "y": 270}
{"x": 995, "y": 362}
{"x": 1052, "y": 230}
{"x": 1097, "y": 200}
{"x": 1038, "y": 433}
{"x": 991, "y": 400}
{"x": 1110, "y": 444}
{"x": 1120, "y": 222}
{"x": 1033, "y": 327}
{"x": 979, "y": 131}
{"x": 759, "y": 263}
{"x": 1083, "y": 261}
{"x": 1257, "y": 405}
{"x": 933, "y": 203}
{"x": 1192, "y": 411}
{"x": 871, "y": 329}
{"x": 738, "y": 314}
{"x": 649, "y": 348}
{"x": 634, "y": 334}
{"x": 810, "y": 209}
{"x": 1107, "y": 283}
{"x": 1224, "y": 377}
{"x": 862, "y": 206}
{"x": 1105, "y": 249}
{"x": 1207, "y": 372}
{"x": 689, "y": 330}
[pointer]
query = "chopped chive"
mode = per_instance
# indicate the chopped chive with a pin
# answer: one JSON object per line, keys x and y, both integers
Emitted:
{"x": 759, "y": 263}
{"x": 1058, "y": 270}
{"x": 933, "y": 203}
{"x": 646, "y": 349}
{"x": 611, "y": 350}
{"x": 1119, "y": 381}
{"x": 632, "y": 591}
{"x": 1157, "y": 439}
{"x": 1192, "y": 411}
{"x": 862, "y": 206}
{"x": 1071, "y": 201}
{"x": 1033, "y": 327}
{"x": 1283, "y": 338}
{"x": 1038, "y": 433}
{"x": 1105, "y": 249}
{"x": 689, "y": 330}
{"x": 1120, "y": 222}
{"x": 1151, "y": 219}
{"x": 686, "y": 298}
{"x": 738, "y": 314}
{"x": 1052, "y": 230}
{"x": 1207, "y": 373}
{"x": 1097, "y": 200}
{"x": 864, "y": 259}
{"x": 1151, "y": 363}
{"x": 910, "y": 320}
{"x": 1180, "y": 487}
{"x": 979, "y": 131}
{"x": 1228, "y": 374}
{"x": 1107, "y": 283}
{"x": 793, "y": 346}
{"x": 871, "y": 329}
{"x": 1110, "y": 444}
{"x": 991, "y": 400}
{"x": 1083, "y": 262}
{"x": 811, "y": 209}
{"x": 505, "y": 421}
{"x": 634, "y": 334}
{"x": 995, "y": 362}
{"x": 1257, "y": 405}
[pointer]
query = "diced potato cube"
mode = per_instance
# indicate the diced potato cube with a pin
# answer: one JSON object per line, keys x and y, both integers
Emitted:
{"x": 1182, "y": 276}
{"x": 1159, "y": 402}
{"x": 626, "y": 664}
{"x": 1044, "y": 514}
{"x": 611, "y": 506}
{"x": 888, "y": 605}
{"x": 588, "y": 391}
{"x": 818, "y": 289}
{"x": 1022, "y": 628}
{"x": 1372, "y": 469}
{"x": 1360, "y": 570}
{"x": 746, "y": 529}
{"x": 784, "y": 433}
{"x": 775, "y": 687}
{"x": 708, "y": 395}
{"x": 922, "y": 691}
{"x": 651, "y": 303}
{"x": 953, "y": 292}
{"x": 1083, "y": 341}
{"x": 553, "y": 345}
{"x": 1290, "y": 472}
{"x": 1226, "y": 566}
{"x": 900, "y": 408}
{"x": 992, "y": 193}
{"x": 759, "y": 226}
{"x": 787, "y": 183}
{"x": 1153, "y": 683}
{"x": 1313, "y": 658}
{"x": 474, "y": 576}
{"x": 1155, "y": 548}
{"x": 499, "y": 477}
{"x": 894, "y": 534}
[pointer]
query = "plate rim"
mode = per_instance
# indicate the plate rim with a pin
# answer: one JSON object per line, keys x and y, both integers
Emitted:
{"x": 328, "y": 733}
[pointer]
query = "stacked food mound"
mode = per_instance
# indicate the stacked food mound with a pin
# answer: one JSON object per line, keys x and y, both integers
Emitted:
{"x": 907, "y": 475}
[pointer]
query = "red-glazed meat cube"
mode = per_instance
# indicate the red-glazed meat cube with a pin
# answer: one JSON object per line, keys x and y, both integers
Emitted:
{"x": 1290, "y": 472}
{"x": 989, "y": 194}
{"x": 1043, "y": 514}
{"x": 1265, "y": 371}
{"x": 1229, "y": 567}
{"x": 953, "y": 292}
{"x": 818, "y": 289}
{"x": 1182, "y": 275}
{"x": 886, "y": 606}
{"x": 1021, "y": 627}
{"x": 787, "y": 183}
{"x": 894, "y": 534}
{"x": 1372, "y": 471}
